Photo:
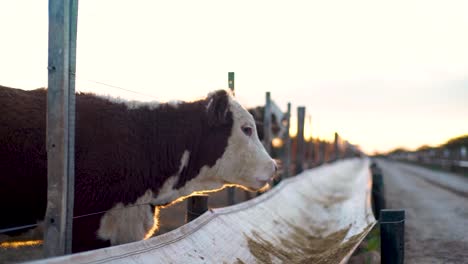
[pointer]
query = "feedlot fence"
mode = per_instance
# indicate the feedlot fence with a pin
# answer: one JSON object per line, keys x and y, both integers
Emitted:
{"x": 298, "y": 156}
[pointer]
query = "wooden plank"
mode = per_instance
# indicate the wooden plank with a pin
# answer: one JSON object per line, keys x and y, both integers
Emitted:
{"x": 60, "y": 127}
{"x": 287, "y": 146}
{"x": 300, "y": 140}
{"x": 267, "y": 123}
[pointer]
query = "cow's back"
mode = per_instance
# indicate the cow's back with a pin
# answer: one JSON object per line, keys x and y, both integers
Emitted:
{"x": 23, "y": 154}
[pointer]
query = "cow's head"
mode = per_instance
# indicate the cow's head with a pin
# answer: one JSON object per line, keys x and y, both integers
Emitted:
{"x": 245, "y": 161}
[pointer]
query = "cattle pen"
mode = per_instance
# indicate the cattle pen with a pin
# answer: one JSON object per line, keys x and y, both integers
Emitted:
{"x": 309, "y": 215}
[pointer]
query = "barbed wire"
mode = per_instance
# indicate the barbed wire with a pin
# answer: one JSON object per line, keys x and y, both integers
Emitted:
{"x": 16, "y": 228}
{"x": 111, "y": 86}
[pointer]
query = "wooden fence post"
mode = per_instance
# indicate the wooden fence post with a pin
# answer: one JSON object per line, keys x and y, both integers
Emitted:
{"x": 316, "y": 152}
{"x": 196, "y": 207}
{"x": 310, "y": 146}
{"x": 378, "y": 198}
{"x": 300, "y": 140}
{"x": 60, "y": 126}
{"x": 267, "y": 123}
{"x": 392, "y": 231}
{"x": 311, "y": 153}
{"x": 231, "y": 191}
{"x": 287, "y": 146}
{"x": 336, "y": 147}
{"x": 231, "y": 81}
{"x": 319, "y": 152}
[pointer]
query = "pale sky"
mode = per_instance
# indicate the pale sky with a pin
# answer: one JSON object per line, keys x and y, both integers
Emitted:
{"x": 383, "y": 74}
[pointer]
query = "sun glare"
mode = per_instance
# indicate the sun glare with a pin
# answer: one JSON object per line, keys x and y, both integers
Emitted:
{"x": 202, "y": 193}
{"x": 155, "y": 227}
{"x": 277, "y": 142}
{"x": 18, "y": 244}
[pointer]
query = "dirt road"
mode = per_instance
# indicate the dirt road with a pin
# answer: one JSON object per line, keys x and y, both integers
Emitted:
{"x": 436, "y": 204}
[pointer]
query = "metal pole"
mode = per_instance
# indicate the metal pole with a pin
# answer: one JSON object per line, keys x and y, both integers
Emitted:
{"x": 231, "y": 81}
{"x": 196, "y": 207}
{"x": 392, "y": 231}
{"x": 267, "y": 126}
{"x": 267, "y": 123}
{"x": 287, "y": 146}
{"x": 71, "y": 121}
{"x": 60, "y": 126}
{"x": 300, "y": 139}
{"x": 231, "y": 191}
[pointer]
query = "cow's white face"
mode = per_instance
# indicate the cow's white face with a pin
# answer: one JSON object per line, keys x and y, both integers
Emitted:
{"x": 245, "y": 161}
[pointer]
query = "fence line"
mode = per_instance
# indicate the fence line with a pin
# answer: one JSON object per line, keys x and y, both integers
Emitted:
{"x": 60, "y": 129}
{"x": 452, "y": 159}
{"x": 283, "y": 120}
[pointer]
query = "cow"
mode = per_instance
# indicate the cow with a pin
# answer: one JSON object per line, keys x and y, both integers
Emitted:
{"x": 130, "y": 158}
{"x": 258, "y": 113}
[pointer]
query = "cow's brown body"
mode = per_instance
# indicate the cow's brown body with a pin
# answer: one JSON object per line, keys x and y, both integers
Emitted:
{"x": 119, "y": 154}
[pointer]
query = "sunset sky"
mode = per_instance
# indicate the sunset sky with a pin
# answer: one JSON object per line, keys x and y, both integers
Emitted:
{"x": 383, "y": 74}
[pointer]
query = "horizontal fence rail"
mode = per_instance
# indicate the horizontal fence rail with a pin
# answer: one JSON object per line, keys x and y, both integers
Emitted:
{"x": 454, "y": 159}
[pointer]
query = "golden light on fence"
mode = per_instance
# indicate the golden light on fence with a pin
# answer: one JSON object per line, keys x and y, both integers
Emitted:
{"x": 293, "y": 126}
{"x": 277, "y": 142}
{"x": 155, "y": 226}
{"x": 17, "y": 244}
{"x": 308, "y": 131}
{"x": 156, "y": 223}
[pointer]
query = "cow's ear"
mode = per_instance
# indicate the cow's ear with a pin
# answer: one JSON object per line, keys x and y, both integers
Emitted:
{"x": 217, "y": 107}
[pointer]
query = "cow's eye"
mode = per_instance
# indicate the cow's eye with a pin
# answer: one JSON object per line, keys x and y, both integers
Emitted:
{"x": 247, "y": 130}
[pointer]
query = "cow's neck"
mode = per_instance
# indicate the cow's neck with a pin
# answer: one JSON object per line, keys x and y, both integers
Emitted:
{"x": 203, "y": 183}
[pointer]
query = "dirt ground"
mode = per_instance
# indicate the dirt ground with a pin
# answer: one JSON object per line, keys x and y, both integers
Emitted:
{"x": 436, "y": 204}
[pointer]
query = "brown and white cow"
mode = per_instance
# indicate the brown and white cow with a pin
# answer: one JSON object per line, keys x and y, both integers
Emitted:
{"x": 127, "y": 153}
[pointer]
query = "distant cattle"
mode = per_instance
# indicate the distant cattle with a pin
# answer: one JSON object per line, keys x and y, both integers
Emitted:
{"x": 276, "y": 127}
{"x": 130, "y": 157}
